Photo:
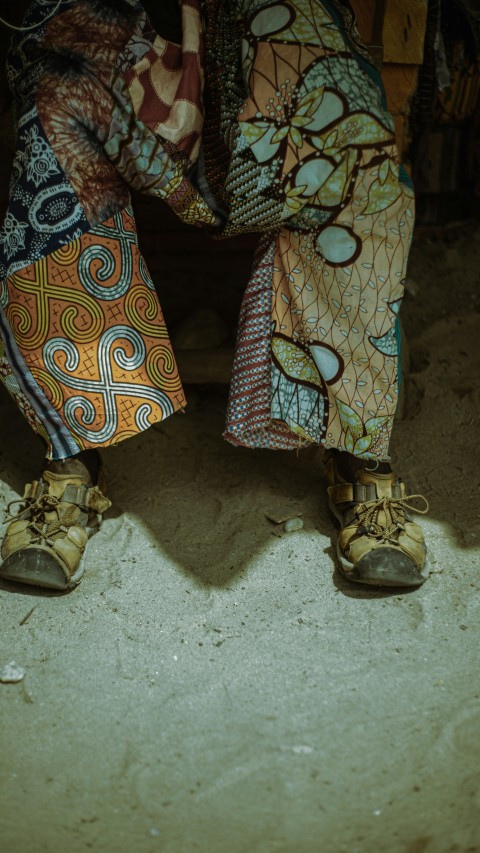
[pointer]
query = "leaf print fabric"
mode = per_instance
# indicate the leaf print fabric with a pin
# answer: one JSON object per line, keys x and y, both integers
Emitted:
{"x": 313, "y": 129}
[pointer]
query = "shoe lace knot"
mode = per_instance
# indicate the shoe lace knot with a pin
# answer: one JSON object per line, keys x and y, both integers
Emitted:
{"x": 42, "y": 530}
{"x": 384, "y": 518}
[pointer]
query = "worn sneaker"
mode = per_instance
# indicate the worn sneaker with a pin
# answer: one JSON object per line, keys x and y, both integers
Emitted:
{"x": 45, "y": 540}
{"x": 378, "y": 543}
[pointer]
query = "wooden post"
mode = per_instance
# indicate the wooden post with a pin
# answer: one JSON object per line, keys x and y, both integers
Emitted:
{"x": 400, "y": 27}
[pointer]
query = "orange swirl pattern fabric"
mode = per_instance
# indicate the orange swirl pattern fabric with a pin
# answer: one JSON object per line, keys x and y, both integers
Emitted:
{"x": 89, "y": 325}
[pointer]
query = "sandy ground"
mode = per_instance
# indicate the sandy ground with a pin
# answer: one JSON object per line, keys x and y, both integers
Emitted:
{"x": 214, "y": 685}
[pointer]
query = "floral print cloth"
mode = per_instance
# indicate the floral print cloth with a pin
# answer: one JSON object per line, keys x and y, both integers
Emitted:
{"x": 268, "y": 117}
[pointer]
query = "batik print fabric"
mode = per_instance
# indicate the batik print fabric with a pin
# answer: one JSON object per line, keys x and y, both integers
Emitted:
{"x": 269, "y": 118}
{"x": 89, "y": 326}
{"x": 316, "y": 148}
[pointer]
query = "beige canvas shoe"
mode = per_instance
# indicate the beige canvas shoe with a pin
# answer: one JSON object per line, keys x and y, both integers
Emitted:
{"x": 45, "y": 540}
{"x": 378, "y": 543}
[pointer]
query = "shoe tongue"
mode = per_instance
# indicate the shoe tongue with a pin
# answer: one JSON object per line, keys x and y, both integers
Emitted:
{"x": 383, "y": 482}
{"x": 58, "y": 482}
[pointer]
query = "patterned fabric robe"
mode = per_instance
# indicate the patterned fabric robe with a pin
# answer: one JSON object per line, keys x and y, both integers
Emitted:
{"x": 268, "y": 117}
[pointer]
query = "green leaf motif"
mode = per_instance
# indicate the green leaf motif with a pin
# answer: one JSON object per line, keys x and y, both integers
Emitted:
{"x": 292, "y": 205}
{"x": 280, "y": 134}
{"x": 300, "y": 121}
{"x": 296, "y": 137}
{"x": 355, "y": 130}
{"x": 383, "y": 191}
{"x": 349, "y": 444}
{"x": 310, "y": 102}
{"x": 294, "y": 191}
{"x": 254, "y": 130}
{"x": 362, "y": 445}
{"x": 333, "y": 191}
{"x": 383, "y": 172}
{"x": 350, "y": 421}
{"x": 295, "y": 362}
{"x": 374, "y": 426}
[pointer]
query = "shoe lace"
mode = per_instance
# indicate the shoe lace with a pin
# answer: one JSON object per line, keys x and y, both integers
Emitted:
{"x": 384, "y": 519}
{"x": 43, "y": 531}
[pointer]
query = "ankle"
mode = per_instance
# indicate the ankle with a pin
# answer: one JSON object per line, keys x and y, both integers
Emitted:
{"x": 348, "y": 465}
{"x": 85, "y": 464}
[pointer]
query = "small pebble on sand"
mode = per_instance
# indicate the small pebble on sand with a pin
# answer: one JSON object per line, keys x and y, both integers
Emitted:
{"x": 293, "y": 524}
{"x": 12, "y": 673}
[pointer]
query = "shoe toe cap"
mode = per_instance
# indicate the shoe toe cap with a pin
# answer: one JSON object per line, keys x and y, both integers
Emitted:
{"x": 387, "y": 566}
{"x": 36, "y": 567}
